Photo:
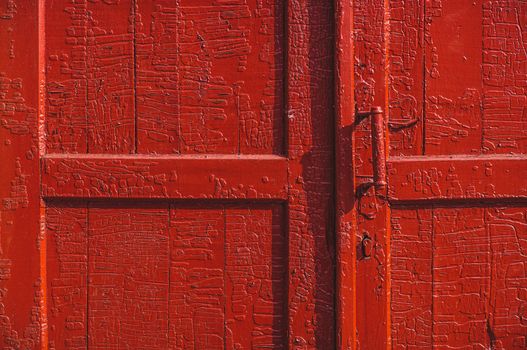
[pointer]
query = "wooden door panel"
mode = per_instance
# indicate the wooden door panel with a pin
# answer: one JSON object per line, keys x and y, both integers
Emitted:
{"x": 66, "y": 85}
{"x": 143, "y": 115}
{"x": 256, "y": 272}
{"x": 109, "y": 75}
{"x": 504, "y": 72}
{"x": 127, "y": 278}
{"x": 453, "y": 78}
{"x": 457, "y": 261}
{"x": 67, "y": 271}
{"x": 221, "y": 69}
{"x": 406, "y": 57}
{"x": 160, "y": 277}
{"x": 473, "y": 84}
{"x": 411, "y": 285}
{"x": 457, "y": 217}
{"x": 472, "y": 81}
{"x": 450, "y": 78}
{"x": 198, "y": 77}
{"x": 197, "y": 277}
{"x": 369, "y": 90}
{"x": 230, "y": 75}
{"x": 228, "y": 277}
{"x": 90, "y": 77}
{"x": 458, "y": 277}
{"x": 195, "y": 171}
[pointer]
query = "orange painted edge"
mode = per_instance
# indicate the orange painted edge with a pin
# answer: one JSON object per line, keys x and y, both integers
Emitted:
{"x": 388, "y": 226}
{"x": 44, "y": 335}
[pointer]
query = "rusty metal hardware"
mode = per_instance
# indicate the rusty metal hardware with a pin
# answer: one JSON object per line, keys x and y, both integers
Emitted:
{"x": 378, "y": 145}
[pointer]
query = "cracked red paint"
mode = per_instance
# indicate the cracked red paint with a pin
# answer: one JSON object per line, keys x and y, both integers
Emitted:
{"x": 193, "y": 174}
{"x": 185, "y": 174}
{"x": 451, "y": 76}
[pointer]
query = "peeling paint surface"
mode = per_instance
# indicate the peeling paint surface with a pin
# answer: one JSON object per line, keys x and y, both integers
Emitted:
{"x": 20, "y": 280}
{"x": 459, "y": 277}
{"x": 457, "y": 176}
{"x": 167, "y": 174}
{"x": 189, "y": 175}
{"x": 439, "y": 255}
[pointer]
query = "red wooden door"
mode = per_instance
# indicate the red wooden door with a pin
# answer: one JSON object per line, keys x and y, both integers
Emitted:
{"x": 441, "y": 252}
{"x": 167, "y": 176}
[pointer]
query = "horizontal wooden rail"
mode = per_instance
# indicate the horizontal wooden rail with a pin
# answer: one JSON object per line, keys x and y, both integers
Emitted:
{"x": 457, "y": 177}
{"x": 170, "y": 177}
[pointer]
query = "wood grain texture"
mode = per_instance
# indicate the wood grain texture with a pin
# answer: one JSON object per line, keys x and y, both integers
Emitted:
{"x": 90, "y": 77}
{"x": 411, "y": 287}
{"x": 165, "y": 77}
{"x": 504, "y": 74}
{"x": 128, "y": 266}
{"x": 205, "y": 277}
{"x": 67, "y": 268}
{"x": 406, "y": 57}
{"x": 458, "y": 277}
{"x": 453, "y": 74}
{"x": 344, "y": 180}
{"x": 197, "y": 278}
{"x": 457, "y": 70}
{"x": 453, "y": 77}
{"x": 256, "y": 273}
{"x": 190, "y": 174}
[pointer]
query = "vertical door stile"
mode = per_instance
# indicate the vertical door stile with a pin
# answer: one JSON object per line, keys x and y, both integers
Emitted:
{"x": 344, "y": 179}
{"x": 44, "y": 332}
{"x": 310, "y": 128}
{"x": 370, "y": 58}
{"x": 386, "y": 154}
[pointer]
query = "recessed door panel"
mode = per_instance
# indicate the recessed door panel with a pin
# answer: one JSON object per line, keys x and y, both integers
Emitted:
{"x": 170, "y": 276}
{"x": 458, "y": 277}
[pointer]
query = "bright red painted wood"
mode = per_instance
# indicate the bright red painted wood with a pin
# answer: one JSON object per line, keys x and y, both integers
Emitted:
{"x": 216, "y": 176}
{"x": 430, "y": 270}
{"x": 21, "y": 282}
{"x": 458, "y": 205}
{"x": 128, "y": 279}
{"x": 90, "y": 76}
{"x": 458, "y": 178}
{"x": 67, "y": 269}
{"x": 344, "y": 179}
{"x": 186, "y": 175}
{"x": 310, "y": 151}
{"x": 197, "y": 174}
{"x": 372, "y": 280}
{"x": 210, "y": 76}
